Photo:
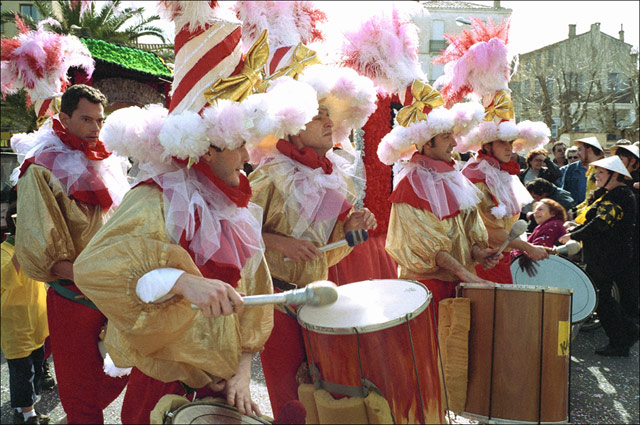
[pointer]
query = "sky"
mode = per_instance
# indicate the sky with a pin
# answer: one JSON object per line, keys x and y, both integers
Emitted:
{"x": 534, "y": 24}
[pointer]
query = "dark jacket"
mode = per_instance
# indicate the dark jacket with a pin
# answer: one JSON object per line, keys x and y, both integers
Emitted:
{"x": 551, "y": 172}
{"x": 561, "y": 196}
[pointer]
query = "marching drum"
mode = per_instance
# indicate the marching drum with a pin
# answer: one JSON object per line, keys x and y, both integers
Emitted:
{"x": 209, "y": 412}
{"x": 518, "y": 353}
{"x": 379, "y": 335}
{"x": 562, "y": 273}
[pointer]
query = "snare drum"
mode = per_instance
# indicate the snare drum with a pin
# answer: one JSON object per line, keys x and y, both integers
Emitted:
{"x": 378, "y": 335}
{"x": 562, "y": 273}
{"x": 518, "y": 353}
{"x": 208, "y": 412}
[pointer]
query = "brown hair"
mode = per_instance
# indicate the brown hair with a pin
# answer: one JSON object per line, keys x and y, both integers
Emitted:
{"x": 535, "y": 152}
{"x": 556, "y": 210}
{"x": 71, "y": 97}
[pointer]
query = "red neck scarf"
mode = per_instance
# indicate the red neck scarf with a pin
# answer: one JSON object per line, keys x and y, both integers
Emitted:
{"x": 405, "y": 193}
{"x": 511, "y": 167}
{"x": 305, "y": 156}
{"x": 94, "y": 153}
{"x": 89, "y": 189}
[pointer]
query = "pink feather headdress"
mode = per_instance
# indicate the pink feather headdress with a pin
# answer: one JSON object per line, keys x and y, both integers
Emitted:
{"x": 385, "y": 49}
{"x": 475, "y": 61}
{"x": 38, "y": 61}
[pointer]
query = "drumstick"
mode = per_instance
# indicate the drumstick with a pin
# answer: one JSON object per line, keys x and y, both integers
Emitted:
{"x": 351, "y": 238}
{"x": 319, "y": 293}
{"x": 570, "y": 248}
{"x": 517, "y": 229}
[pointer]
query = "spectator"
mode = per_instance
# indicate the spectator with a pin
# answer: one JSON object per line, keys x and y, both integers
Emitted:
{"x": 549, "y": 216}
{"x": 559, "y": 157}
{"x": 536, "y": 161}
{"x": 522, "y": 163}
{"x": 575, "y": 176}
{"x": 571, "y": 154}
{"x": 540, "y": 188}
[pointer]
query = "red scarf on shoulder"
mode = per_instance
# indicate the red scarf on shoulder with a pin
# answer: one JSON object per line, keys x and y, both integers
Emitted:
{"x": 90, "y": 188}
{"x": 305, "y": 156}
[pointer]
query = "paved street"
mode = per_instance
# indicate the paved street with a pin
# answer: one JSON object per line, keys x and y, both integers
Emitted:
{"x": 603, "y": 390}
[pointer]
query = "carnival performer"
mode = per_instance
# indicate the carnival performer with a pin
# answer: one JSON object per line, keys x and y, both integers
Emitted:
{"x": 187, "y": 233}
{"x": 306, "y": 189}
{"x": 67, "y": 183}
{"x": 605, "y": 230}
{"x": 477, "y": 63}
{"x": 435, "y": 232}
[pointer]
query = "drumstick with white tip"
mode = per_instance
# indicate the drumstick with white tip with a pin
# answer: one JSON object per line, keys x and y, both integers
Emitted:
{"x": 517, "y": 229}
{"x": 351, "y": 238}
{"x": 570, "y": 248}
{"x": 319, "y": 293}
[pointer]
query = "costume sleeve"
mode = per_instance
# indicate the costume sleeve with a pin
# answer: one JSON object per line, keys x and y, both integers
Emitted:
{"x": 334, "y": 256}
{"x": 607, "y": 215}
{"x": 497, "y": 228}
{"x": 415, "y": 237}
{"x": 256, "y": 322}
{"x": 10, "y": 279}
{"x": 475, "y": 229}
{"x": 50, "y": 226}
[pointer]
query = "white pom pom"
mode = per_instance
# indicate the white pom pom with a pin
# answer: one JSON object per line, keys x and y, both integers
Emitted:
{"x": 499, "y": 211}
{"x": 183, "y": 135}
{"x": 112, "y": 370}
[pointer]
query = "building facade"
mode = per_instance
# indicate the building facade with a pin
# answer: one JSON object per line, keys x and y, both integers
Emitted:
{"x": 448, "y": 17}
{"x": 586, "y": 84}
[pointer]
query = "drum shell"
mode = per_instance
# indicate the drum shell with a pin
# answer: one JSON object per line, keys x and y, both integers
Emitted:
{"x": 527, "y": 376}
{"x": 387, "y": 361}
{"x": 207, "y": 412}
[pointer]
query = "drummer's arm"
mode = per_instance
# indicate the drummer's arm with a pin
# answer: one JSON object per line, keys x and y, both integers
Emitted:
{"x": 535, "y": 252}
{"x": 446, "y": 261}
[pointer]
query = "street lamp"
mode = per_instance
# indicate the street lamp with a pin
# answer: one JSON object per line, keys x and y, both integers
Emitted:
{"x": 462, "y": 21}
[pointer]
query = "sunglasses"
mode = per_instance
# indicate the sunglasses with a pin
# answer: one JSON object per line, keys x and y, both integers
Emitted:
{"x": 572, "y": 157}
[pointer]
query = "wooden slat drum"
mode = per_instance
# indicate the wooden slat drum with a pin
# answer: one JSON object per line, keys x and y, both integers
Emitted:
{"x": 382, "y": 331}
{"x": 518, "y": 353}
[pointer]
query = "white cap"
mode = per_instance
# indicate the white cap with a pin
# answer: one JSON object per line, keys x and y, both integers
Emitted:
{"x": 593, "y": 141}
{"x": 612, "y": 163}
{"x": 631, "y": 148}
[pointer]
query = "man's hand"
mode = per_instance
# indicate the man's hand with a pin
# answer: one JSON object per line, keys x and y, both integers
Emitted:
{"x": 536, "y": 252}
{"x": 488, "y": 257}
{"x": 363, "y": 219}
{"x": 294, "y": 249}
{"x": 214, "y": 297}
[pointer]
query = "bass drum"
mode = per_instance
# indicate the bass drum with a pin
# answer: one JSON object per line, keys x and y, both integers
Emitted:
{"x": 559, "y": 272}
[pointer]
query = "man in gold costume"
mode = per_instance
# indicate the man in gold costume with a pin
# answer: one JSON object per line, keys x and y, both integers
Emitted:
{"x": 435, "y": 232}
{"x": 67, "y": 184}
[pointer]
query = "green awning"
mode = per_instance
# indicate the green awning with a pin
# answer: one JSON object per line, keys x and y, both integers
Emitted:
{"x": 127, "y": 57}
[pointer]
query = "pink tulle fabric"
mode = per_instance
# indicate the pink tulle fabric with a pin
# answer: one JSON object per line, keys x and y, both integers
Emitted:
{"x": 227, "y": 234}
{"x": 313, "y": 199}
{"x": 429, "y": 177}
{"x": 67, "y": 165}
{"x": 506, "y": 188}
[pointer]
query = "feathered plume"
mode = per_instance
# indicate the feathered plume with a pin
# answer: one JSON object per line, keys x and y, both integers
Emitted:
{"x": 475, "y": 61}
{"x": 288, "y": 22}
{"x": 385, "y": 49}
{"x": 191, "y": 15}
{"x": 38, "y": 61}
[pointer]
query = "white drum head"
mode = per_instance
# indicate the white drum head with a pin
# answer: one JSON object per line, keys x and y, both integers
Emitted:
{"x": 367, "y": 306}
{"x": 561, "y": 273}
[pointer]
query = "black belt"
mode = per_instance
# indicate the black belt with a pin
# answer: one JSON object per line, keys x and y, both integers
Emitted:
{"x": 282, "y": 285}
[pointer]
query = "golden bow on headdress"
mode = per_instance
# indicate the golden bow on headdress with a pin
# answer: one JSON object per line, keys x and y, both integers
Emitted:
{"x": 302, "y": 57}
{"x": 501, "y": 107}
{"x": 54, "y": 108}
{"x": 239, "y": 87}
{"x": 423, "y": 96}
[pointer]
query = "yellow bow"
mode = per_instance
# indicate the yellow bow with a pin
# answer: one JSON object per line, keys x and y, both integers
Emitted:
{"x": 239, "y": 87}
{"x": 54, "y": 107}
{"x": 501, "y": 106}
{"x": 423, "y": 96}
{"x": 301, "y": 58}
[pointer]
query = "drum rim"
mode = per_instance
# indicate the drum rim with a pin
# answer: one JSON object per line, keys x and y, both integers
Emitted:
{"x": 513, "y": 287}
{"x": 216, "y": 404}
{"x": 595, "y": 288}
{"x": 352, "y": 330}
{"x": 493, "y": 419}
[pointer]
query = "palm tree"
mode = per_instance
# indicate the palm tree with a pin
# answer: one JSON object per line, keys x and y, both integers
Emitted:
{"x": 106, "y": 25}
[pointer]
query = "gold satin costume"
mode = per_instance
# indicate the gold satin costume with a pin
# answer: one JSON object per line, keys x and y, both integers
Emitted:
{"x": 168, "y": 340}
{"x": 274, "y": 220}
{"x": 498, "y": 228}
{"x": 415, "y": 237}
{"x": 51, "y": 227}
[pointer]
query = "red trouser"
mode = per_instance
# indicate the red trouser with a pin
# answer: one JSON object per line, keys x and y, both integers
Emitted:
{"x": 144, "y": 392}
{"x": 283, "y": 353}
{"x": 84, "y": 389}
{"x": 439, "y": 291}
{"x": 500, "y": 273}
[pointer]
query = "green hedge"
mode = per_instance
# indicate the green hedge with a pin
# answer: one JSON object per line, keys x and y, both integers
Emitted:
{"x": 126, "y": 57}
